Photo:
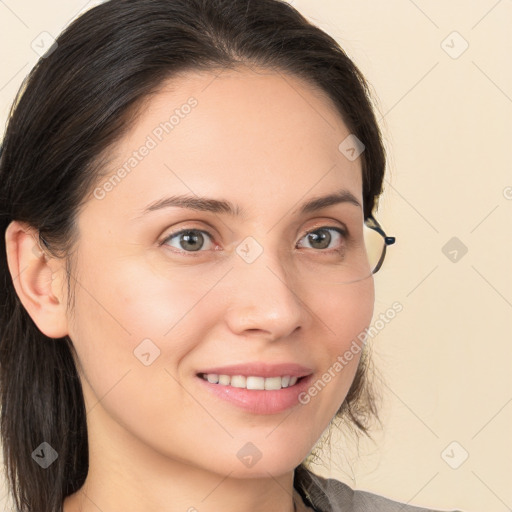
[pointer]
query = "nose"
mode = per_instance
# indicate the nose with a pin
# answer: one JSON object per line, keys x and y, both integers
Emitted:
{"x": 263, "y": 300}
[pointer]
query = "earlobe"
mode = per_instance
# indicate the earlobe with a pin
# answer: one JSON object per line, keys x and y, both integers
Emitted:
{"x": 37, "y": 279}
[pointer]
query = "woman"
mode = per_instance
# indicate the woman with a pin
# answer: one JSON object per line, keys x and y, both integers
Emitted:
{"x": 187, "y": 198}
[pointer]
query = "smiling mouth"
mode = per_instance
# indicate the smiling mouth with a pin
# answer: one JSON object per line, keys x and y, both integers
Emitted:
{"x": 253, "y": 382}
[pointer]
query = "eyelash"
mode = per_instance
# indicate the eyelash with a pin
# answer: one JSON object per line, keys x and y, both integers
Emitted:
{"x": 342, "y": 232}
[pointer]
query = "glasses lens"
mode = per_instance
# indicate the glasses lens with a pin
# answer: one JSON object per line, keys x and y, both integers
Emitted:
{"x": 375, "y": 246}
{"x": 353, "y": 256}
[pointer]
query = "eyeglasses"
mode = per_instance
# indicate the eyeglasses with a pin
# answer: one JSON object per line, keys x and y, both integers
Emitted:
{"x": 359, "y": 256}
{"x": 378, "y": 244}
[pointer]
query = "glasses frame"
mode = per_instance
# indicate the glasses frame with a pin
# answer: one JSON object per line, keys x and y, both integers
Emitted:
{"x": 372, "y": 223}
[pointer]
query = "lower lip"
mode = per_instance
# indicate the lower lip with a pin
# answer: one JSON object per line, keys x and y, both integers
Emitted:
{"x": 260, "y": 401}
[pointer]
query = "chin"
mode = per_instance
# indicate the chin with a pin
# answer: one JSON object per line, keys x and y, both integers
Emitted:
{"x": 260, "y": 470}
{"x": 253, "y": 463}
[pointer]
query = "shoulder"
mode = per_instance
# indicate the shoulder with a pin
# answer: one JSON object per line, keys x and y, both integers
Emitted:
{"x": 330, "y": 495}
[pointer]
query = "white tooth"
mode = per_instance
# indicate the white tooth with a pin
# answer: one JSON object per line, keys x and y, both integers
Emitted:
{"x": 273, "y": 383}
{"x": 256, "y": 383}
{"x": 252, "y": 381}
{"x": 238, "y": 381}
{"x": 224, "y": 380}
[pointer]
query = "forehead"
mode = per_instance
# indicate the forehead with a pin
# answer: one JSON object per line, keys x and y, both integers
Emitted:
{"x": 256, "y": 136}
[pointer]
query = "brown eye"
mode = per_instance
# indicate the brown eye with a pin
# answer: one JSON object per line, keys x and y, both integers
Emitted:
{"x": 321, "y": 238}
{"x": 189, "y": 240}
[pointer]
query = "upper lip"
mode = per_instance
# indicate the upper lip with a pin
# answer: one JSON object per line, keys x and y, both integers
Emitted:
{"x": 261, "y": 370}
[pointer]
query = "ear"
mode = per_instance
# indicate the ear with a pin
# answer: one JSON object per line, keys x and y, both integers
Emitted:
{"x": 37, "y": 278}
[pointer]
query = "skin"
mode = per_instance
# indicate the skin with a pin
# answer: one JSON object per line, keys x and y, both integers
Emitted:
{"x": 268, "y": 142}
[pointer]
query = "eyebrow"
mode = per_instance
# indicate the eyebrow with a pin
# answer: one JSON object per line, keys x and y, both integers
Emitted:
{"x": 223, "y": 206}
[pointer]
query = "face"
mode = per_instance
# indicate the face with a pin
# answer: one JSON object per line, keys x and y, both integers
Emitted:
{"x": 153, "y": 309}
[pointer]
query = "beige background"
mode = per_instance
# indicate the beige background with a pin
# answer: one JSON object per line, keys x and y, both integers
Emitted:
{"x": 447, "y": 120}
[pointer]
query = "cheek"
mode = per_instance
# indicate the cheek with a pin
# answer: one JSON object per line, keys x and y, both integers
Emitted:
{"x": 132, "y": 329}
{"x": 127, "y": 316}
{"x": 139, "y": 301}
{"x": 344, "y": 312}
